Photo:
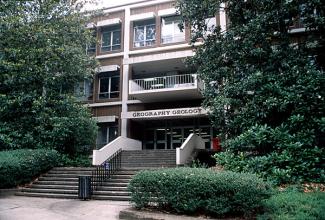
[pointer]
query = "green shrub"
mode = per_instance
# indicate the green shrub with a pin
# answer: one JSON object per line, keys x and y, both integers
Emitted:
{"x": 279, "y": 167}
{"x": 21, "y": 166}
{"x": 295, "y": 205}
{"x": 77, "y": 161}
{"x": 189, "y": 190}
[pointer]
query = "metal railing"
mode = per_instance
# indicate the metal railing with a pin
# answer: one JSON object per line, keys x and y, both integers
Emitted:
{"x": 165, "y": 82}
{"x": 104, "y": 171}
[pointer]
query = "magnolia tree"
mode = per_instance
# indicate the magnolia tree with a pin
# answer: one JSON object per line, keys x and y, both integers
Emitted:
{"x": 42, "y": 57}
{"x": 265, "y": 84}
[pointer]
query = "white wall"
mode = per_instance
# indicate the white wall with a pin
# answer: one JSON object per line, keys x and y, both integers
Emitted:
{"x": 124, "y": 143}
{"x": 191, "y": 143}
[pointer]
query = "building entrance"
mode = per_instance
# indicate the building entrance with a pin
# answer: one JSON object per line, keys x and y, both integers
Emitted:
{"x": 172, "y": 135}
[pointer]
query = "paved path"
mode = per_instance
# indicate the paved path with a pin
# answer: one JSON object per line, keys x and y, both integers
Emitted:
{"x": 30, "y": 208}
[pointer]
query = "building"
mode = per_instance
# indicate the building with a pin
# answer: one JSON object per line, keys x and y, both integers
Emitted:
{"x": 144, "y": 90}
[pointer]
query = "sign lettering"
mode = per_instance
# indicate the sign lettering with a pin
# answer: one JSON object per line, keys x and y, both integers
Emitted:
{"x": 164, "y": 113}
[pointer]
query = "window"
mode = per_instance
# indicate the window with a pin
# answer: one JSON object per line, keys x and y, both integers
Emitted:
{"x": 107, "y": 132}
{"x": 109, "y": 86}
{"x": 111, "y": 39}
{"x": 211, "y": 24}
{"x": 144, "y": 33}
{"x": 84, "y": 90}
{"x": 170, "y": 32}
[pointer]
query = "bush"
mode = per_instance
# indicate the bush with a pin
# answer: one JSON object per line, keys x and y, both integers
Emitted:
{"x": 295, "y": 205}
{"x": 204, "y": 159}
{"x": 21, "y": 166}
{"x": 77, "y": 161}
{"x": 278, "y": 167}
{"x": 189, "y": 190}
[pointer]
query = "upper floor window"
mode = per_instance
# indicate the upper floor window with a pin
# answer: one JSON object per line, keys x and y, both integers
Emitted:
{"x": 84, "y": 90}
{"x": 170, "y": 32}
{"x": 211, "y": 24}
{"x": 111, "y": 39}
{"x": 144, "y": 33}
{"x": 109, "y": 85}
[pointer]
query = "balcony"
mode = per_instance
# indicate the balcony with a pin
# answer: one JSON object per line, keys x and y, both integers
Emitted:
{"x": 166, "y": 88}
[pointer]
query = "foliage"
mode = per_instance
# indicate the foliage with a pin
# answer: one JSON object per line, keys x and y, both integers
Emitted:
{"x": 295, "y": 205}
{"x": 198, "y": 164}
{"x": 42, "y": 57}
{"x": 277, "y": 167}
{"x": 21, "y": 166}
{"x": 77, "y": 161}
{"x": 265, "y": 85}
{"x": 190, "y": 190}
{"x": 203, "y": 159}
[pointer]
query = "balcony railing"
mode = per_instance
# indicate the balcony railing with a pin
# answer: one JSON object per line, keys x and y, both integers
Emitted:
{"x": 165, "y": 82}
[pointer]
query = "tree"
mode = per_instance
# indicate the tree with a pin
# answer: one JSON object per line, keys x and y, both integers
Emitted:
{"x": 42, "y": 57}
{"x": 265, "y": 86}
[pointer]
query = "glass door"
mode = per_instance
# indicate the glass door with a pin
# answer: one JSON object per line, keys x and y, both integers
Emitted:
{"x": 187, "y": 132}
{"x": 161, "y": 138}
{"x": 205, "y": 133}
{"x": 149, "y": 139}
{"x": 177, "y": 137}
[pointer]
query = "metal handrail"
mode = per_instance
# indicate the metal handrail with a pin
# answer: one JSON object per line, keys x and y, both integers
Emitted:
{"x": 104, "y": 171}
{"x": 165, "y": 82}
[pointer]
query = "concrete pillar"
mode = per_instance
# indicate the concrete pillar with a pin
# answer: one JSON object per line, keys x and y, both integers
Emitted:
{"x": 125, "y": 83}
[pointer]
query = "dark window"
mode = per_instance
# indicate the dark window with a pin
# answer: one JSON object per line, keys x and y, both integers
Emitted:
{"x": 107, "y": 132}
{"x": 84, "y": 90}
{"x": 111, "y": 39}
{"x": 109, "y": 86}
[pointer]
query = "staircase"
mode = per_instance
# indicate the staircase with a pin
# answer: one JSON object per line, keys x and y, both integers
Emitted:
{"x": 62, "y": 182}
{"x": 148, "y": 159}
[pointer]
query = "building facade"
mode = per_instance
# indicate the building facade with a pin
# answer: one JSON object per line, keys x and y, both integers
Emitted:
{"x": 143, "y": 89}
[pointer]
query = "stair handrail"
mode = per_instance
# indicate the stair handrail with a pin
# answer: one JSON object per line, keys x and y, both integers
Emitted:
{"x": 101, "y": 155}
{"x": 105, "y": 170}
{"x": 192, "y": 142}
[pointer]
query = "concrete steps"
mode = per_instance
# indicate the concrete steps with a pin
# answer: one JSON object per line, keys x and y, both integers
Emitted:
{"x": 62, "y": 182}
{"x": 149, "y": 159}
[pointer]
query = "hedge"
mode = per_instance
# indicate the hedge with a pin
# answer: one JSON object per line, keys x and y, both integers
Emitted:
{"x": 295, "y": 205}
{"x": 21, "y": 166}
{"x": 190, "y": 190}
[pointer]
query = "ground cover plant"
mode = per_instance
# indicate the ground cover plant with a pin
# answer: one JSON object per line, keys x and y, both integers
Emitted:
{"x": 293, "y": 204}
{"x": 199, "y": 190}
{"x": 21, "y": 166}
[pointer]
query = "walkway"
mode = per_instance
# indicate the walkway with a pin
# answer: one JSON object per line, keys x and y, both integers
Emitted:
{"x": 33, "y": 208}
{"x": 30, "y": 208}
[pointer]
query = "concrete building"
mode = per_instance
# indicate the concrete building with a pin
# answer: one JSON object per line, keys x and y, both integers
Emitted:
{"x": 143, "y": 89}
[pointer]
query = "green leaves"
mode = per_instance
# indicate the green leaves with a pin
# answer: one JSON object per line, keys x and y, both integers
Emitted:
{"x": 265, "y": 86}
{"x": 295, "y": 205}
{"x": 21, "y": 166}
{"x": 43, "y": 56}
{"x": 189, "y": 190}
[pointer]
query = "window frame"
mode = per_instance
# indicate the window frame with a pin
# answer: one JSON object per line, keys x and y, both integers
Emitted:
{"x": 173, "y": 34}
{"x": 84, "y": 90}
{"x": 109, "y": 92}
{"x": 145, "y": 41}
{"x": 110, "y": 46}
